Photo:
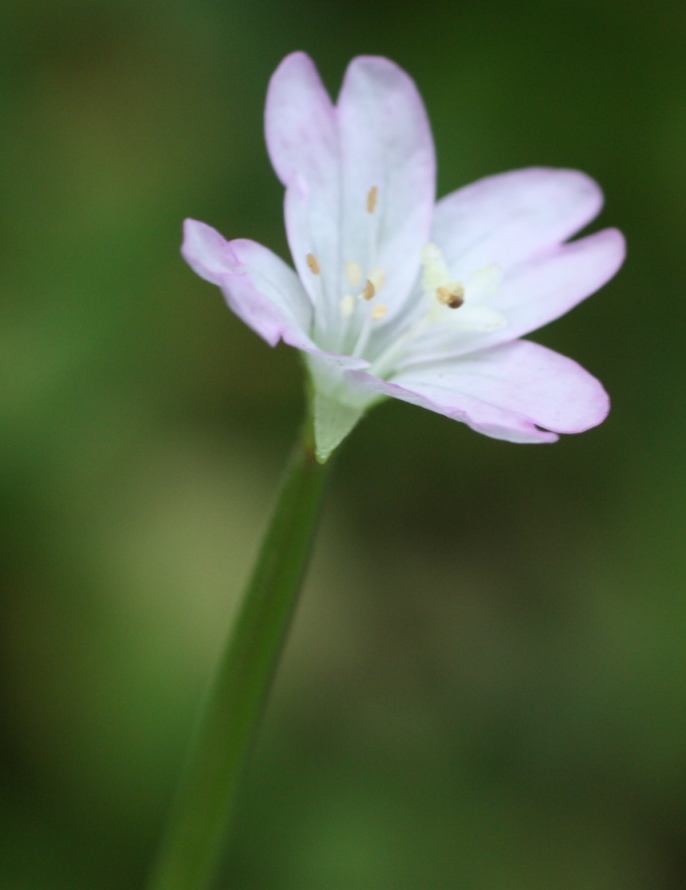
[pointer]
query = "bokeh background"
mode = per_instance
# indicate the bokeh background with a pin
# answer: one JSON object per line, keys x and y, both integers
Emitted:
{"x": 485, "y": 688}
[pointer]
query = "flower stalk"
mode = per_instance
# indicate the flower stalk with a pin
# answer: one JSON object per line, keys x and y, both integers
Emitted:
{"x": 192, "y": 846}
{"x": 461, "y": 282}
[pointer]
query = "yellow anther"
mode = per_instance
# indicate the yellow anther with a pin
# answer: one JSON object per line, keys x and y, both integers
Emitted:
{"x": 372, "y": 196}
{"x": 313, "y": 263}
{"x": 452, "y": 296}
{"x": 379, "y": 311}
{"x": 353, "y": 273}
{"x": 378, "y": 278}
{"x": 347, "y": 306}
{"x": 368, "y": 290}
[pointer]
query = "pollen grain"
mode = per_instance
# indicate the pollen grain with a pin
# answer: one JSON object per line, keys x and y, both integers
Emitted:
{"x": 453, "y": 297}
{"x": 313, "y": 263}
{"x": 347, "y": 306}
{"x": 369, "y": 290}
{"x": 353, "y": 272}
{"x": 378, "y": 278}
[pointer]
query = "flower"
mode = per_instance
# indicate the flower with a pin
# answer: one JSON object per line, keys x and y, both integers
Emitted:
{"x": 396, "y": 295}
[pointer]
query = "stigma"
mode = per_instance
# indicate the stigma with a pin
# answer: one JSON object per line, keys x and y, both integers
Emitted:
{"x": 444, "y": 294}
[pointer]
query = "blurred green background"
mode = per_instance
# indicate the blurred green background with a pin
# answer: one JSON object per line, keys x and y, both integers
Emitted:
{"x": 486, "y": 685}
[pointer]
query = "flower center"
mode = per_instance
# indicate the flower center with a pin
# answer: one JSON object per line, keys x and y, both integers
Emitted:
{"x": 362, "y": 289}
{"x": 456, "y": 305}
{"x": 443, "y": 294}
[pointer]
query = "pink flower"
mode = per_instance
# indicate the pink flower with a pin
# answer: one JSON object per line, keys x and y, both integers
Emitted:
{"x": 395, "y": 295}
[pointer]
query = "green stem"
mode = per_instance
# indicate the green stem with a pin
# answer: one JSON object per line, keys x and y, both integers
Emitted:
{"x": 192, "y": 846}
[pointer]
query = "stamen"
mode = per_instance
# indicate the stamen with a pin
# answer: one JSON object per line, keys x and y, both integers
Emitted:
{"x": 378, "y": 278}
{"x": 378, "y": 312}
{"x": 372, "y": 196}
{"x": 369, "y": 290}
{"x": 353, "y": 272}
{"x": 347, "y": 306}
{"x": 313, "y": 263}
{"x": 453, "y": 297}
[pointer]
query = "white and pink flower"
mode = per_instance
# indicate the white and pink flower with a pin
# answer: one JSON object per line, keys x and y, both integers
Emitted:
{"x": 396, "y": 295}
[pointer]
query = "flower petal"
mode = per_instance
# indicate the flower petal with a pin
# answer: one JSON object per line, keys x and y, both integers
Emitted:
{"x": 302, "y": 139}
{"x": 547, "y": 288}
{"x": 509, "y": 217}
{"x": 534, "y": 294}
{"x": 506, "y": 392}
{"x": 259, "y": 287}
{"x": 386, "y": 146}
{"x": 300, "y": 124}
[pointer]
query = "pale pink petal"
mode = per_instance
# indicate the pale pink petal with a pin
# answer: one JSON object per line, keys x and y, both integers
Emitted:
{"x": 507, "y": 392}
{"x": 300, "y": 125}
{"x": 386, "y": 145}
{"x": 543, "y": 290}
{"x": 259, "y": 287}
{"x": 535, "y": 293}
{"x": 509, "y": 217}
{"x": 302, "y": 139}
